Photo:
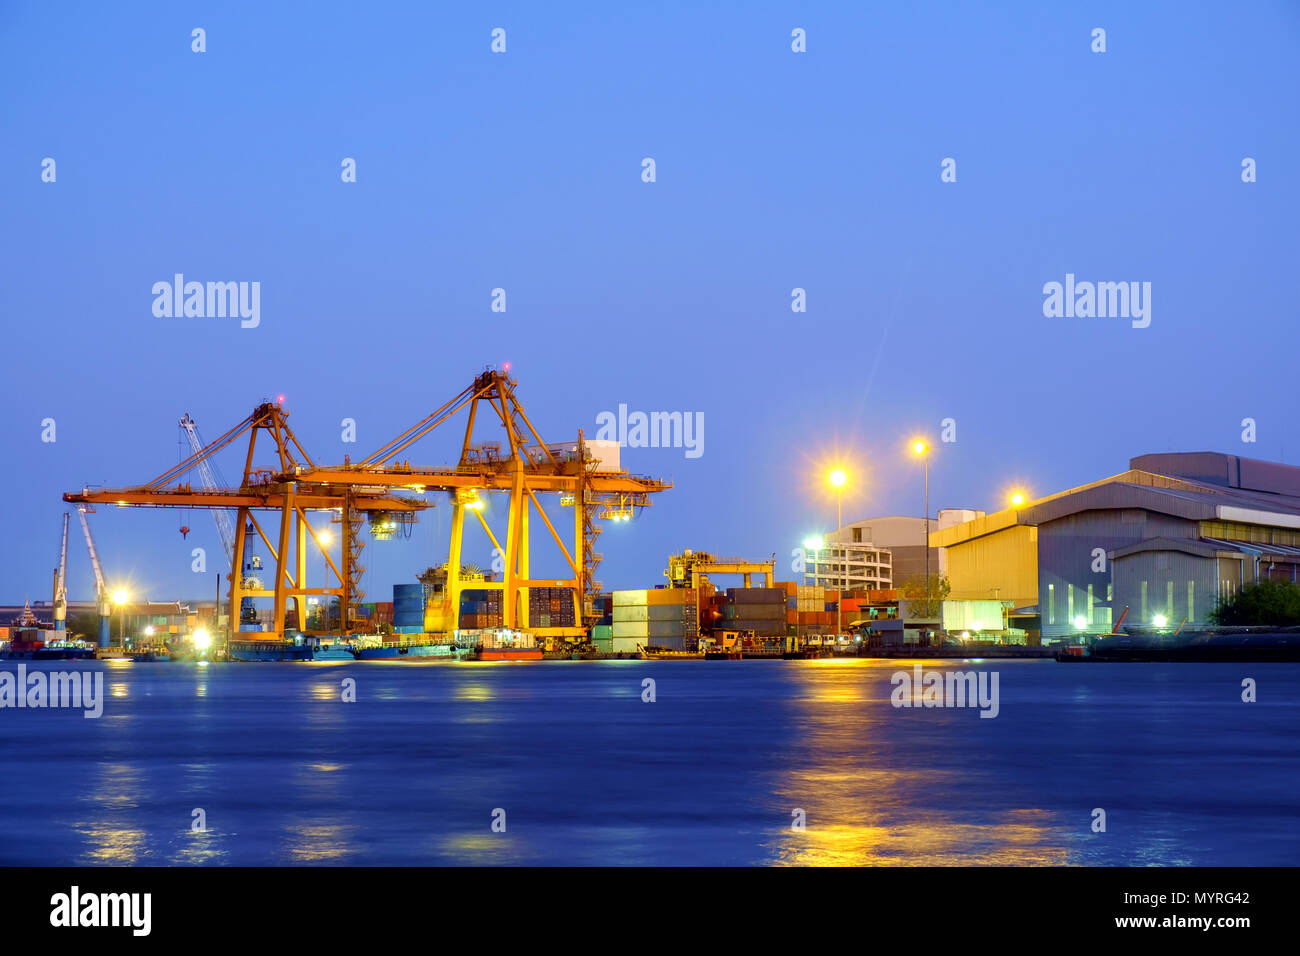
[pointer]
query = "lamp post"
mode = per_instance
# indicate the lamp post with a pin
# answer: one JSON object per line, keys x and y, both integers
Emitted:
{"x": 120, "y": 597}
{"x": 838, "y": 479}
{"x": 920, "y": 448}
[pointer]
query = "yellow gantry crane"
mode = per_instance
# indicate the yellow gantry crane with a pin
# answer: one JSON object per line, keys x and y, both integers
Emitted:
{"x": 268, "y": 489}
{"x": 523, "y": 468}
{"x": 685, "y": 570}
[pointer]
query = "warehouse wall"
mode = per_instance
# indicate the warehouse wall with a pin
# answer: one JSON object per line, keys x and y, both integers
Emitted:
{"x": 1004, "y": 563}
{"x": 1171, "y": 583}
{"x": 1066, "y": 562}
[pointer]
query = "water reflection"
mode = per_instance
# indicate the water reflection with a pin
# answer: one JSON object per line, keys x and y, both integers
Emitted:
{"x": 867, "y": 777}
{"x": 320, "y": 841}
{"x": 110, "y": 837}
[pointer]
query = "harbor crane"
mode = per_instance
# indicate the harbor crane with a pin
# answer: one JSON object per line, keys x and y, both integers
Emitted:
{"x": 373, "y": 489}
{"x": 213, "y": 481}
{"x": 61, "y": 582}
{"x": 273, "y": 487}
{"x": 102, "y": 598}
{"x": 522, "y": 469}
{"x": 686, "y": 570}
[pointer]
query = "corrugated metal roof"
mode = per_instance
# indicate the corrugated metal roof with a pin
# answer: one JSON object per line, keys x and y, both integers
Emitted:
{"x": 1183, "y": 498}
{"x": 1251, "y": 547}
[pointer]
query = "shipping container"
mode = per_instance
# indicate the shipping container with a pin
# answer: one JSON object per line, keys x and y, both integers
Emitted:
{"x": 770, "y": 612}
{"x": 756, "y": 595}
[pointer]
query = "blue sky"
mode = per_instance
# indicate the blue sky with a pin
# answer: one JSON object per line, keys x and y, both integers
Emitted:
{"x": 522, "y": 171}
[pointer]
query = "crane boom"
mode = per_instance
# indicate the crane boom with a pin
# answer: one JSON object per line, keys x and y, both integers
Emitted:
{"x": 100, "y": 587}
{"x": 220, "y": 516}
{"x": 61, "y": 580}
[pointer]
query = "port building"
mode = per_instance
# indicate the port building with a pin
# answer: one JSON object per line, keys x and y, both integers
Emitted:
{"x": 1167, "y": 540}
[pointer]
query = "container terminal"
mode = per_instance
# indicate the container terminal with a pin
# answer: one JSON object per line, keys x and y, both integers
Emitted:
{"x": 855, "y": 605}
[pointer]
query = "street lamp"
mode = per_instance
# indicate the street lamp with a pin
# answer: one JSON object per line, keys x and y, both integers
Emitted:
{"x": 922, "y": 450}
{"x": 120, "y": 597}
{"x": 837, "y": 478}
{"x": 814, "y": 545}
{"x": 1017, "y": 499}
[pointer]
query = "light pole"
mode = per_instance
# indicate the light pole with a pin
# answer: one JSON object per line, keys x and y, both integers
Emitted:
{"x": 120, "y": 598}
{"x": 837, "y": 479}
{"x": 919, "y": 447}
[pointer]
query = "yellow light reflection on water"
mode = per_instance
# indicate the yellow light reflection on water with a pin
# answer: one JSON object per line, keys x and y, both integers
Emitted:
{"x": 109, "y": 837}
{"x": 320, "y": 842}
{"x": 867, "y": 783}
{"x": 478, "y": 692}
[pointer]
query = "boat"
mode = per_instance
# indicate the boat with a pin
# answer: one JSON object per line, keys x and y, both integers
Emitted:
{"x": 30, "y": 644}
{"x": 269, "y": 651}
{"x": 423, "y": 651}
{"x": 335, "y": 650}
{"x": 501, "y": 644}
{"x": 651, "y": 652}
{"x": 510, "y": 653}
{"x": 1071, "y": 653}
{"x": 1211, "y": 645}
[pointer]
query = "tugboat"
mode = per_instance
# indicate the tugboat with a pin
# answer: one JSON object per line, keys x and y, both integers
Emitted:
{"x": 506, "y": 645}
{"x": 423, "y": 649}
{"x": 33, "y": 643}
{"x": 335, "y": 650}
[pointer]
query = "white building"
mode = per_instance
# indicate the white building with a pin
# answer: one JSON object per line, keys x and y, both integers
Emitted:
{"x": 848, "y": 565}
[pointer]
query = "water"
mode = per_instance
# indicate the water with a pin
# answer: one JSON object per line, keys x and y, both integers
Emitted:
{"x": 710, "y": 773}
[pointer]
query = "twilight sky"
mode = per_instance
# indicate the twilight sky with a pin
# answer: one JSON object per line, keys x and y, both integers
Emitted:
{"x": 775, "y": 170}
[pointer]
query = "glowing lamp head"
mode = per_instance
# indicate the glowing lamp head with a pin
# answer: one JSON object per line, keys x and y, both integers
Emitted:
{"x": 812, "y": 544}
{"x": 838, "y": 478}
{"x": 120, "y": 597}
{"x": 1017, "y": 499}
{"x": 1080, "y": 622}
{"x": 919, "y": 447}
{"x": 279, "y": 399}
{"x": 201, "y": 640}
{"x": 1160, "y": 620}
{"x": 325, "y": 537}
{"x": 148, "y": 631}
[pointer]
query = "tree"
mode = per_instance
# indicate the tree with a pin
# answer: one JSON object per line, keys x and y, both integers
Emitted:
{"x": 83, "y": 625}
{"x": 1266, "y": 603}
{"x": 914, "y": 592}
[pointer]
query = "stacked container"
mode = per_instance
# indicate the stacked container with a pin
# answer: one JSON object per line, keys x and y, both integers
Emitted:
{"x": 665, "y": 617}
{"x": 602, "y": 637}
{"x": 408, "y": 608}
{"x": 815, "y": 610}
{"x": 761, "y": 610}
{"x": 480, "y": 608}
{"x": 550, "y": 607}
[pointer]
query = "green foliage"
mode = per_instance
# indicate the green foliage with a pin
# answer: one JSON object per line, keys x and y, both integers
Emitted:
{"x": 83, "y": 625}
{"x": 913, "y": 591}
{"x": 1265, "y": 603}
